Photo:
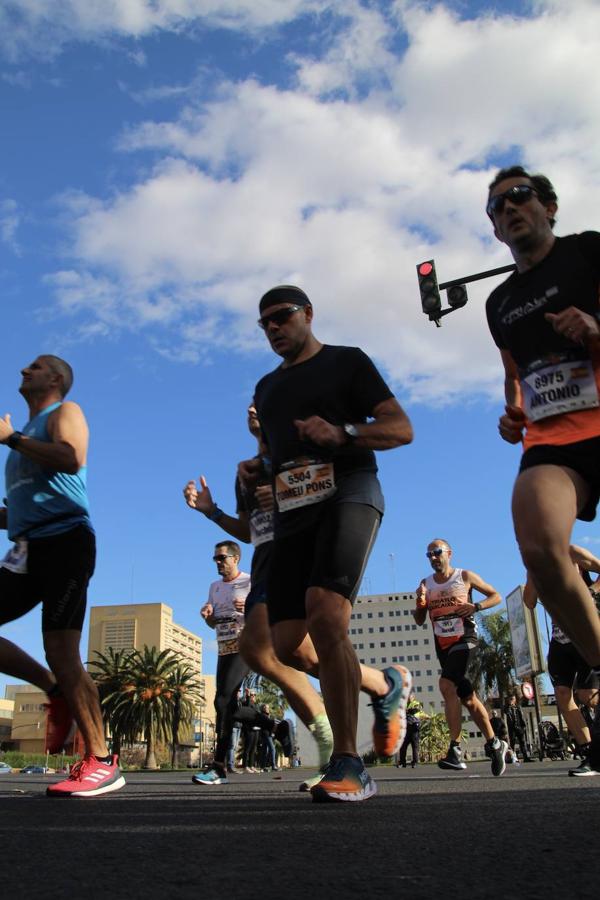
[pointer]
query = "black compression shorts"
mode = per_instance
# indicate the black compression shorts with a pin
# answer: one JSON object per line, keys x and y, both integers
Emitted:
{"x": 455, "y": 662}
{"x": 58, "y": 571}
{"x": 567, "y": 667}
{"x": 332, "y": 554}
{"x": 582, "y": 456}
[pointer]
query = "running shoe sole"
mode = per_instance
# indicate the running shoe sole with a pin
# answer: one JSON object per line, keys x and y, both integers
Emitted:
{"x": 452, "y": 767}
{"x": 389, "y": 728}
{"x": 582, "y": 772}
{"x": 321, "y": 795}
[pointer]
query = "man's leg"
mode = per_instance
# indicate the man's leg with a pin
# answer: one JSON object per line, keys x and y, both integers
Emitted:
{"x": 479, "y": 715}
{"x": 78, "y": 688}
{"x": 546, "y": 500}
{"x": 258, "y": 651}
{"x": 328, "y": 617}
{"x": 452, "y": 708}
{"x": 572, "y": 714}
{"x": 18, "y": 664}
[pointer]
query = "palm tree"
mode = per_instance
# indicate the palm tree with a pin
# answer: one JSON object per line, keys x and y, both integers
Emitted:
{"x": 112, "y": 680}
{"x": 434, "y": 736}
{"x": 145, "y": 706}
{"x": 493, "y": 663}
{"x": 185, "y": 694}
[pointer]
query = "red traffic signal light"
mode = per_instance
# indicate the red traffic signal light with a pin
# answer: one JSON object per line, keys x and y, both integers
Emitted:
{"x": 431, "y": 302}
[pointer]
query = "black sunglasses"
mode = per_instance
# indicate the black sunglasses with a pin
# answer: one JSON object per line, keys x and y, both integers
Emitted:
{"x": 279, "y": 317}
{"x": 519, "y": 194}
{"x": 437, "y": 552}
{"x": 222, "y": 557}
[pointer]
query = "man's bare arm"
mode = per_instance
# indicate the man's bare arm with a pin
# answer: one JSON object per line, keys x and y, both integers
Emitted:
{"x": 474, "y": 581}
{"x": 390, "y": 428}
{"x": 67, "y": 451}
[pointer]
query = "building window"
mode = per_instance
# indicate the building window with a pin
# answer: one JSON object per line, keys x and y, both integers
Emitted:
{"x": 119, "y": 635}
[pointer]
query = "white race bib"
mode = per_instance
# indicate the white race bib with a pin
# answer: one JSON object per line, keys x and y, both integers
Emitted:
{"x": 303, "y": 485}
{"x": 450, "y": 627}
{"x": 16, "y": 558}
{"x": 560, "y": 386}
{"x": 261, "y": 527}
{"x": 229, "y": 630}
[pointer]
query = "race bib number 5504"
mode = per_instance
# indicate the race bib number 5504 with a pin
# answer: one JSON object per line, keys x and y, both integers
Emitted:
{"x": 303, "y": 485}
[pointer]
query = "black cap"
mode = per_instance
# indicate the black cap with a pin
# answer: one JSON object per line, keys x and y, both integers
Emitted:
{"x": 283, "y": 293}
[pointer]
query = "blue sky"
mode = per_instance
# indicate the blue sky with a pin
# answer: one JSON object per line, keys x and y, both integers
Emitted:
{"x": 163, "y": 164}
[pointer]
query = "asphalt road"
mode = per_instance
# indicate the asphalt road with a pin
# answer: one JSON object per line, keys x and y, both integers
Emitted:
{"x": 532, "y": 833}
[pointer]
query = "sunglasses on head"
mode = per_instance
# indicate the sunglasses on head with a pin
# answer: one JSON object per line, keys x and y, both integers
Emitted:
{"x": 279, "y": 317}
{"x": 437, "y": 552}
{"x": 519, "y": 194}
{"x": 221, "y": 557}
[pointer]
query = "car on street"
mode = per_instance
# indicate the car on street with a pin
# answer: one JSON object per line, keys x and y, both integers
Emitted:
{"x": 34, "y": 770}
{"x": 4, "y": 769}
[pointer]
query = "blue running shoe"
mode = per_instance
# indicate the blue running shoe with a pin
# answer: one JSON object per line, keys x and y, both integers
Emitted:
{"x": 389, "y": 727}
{"x": 210, "y": 776}
{"x": 345, "y": 779}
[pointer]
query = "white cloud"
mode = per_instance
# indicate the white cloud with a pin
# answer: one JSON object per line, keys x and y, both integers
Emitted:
{"x": 43, "y": 27}
{"x": 259, "y": 185}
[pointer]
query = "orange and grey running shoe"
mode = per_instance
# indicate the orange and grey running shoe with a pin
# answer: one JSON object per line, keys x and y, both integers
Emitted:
{"x": 345, "y": 779}
{"x": 389, "y": 727}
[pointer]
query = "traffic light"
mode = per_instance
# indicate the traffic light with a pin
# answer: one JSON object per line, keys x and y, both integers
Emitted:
{"x": 428, "y": 286}
{"x": 457, "y": 296}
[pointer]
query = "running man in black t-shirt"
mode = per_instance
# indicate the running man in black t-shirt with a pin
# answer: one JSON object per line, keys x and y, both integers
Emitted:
{"x": 545, "y": 321}
{"x": 313, "y": 411}
{"x": 254, "y": 523}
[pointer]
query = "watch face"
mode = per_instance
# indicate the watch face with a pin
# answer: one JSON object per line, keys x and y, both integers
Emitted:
{"x": 351, "y": 431}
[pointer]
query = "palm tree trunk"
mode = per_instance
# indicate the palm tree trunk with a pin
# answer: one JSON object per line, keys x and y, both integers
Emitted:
{"x": 150, "y": 762}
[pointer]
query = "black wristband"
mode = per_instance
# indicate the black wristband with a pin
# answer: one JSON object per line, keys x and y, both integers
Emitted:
{"x": 477, "y": 607}
{"x": 14, "y": 440}
{"x": 215, "y": 515}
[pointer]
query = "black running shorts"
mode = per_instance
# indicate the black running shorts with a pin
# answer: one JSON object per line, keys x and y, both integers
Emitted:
{"x": 567, "y": 667}
{"x": 331, "y": 554}
{"x": 58, "y": 571}
{"x": 582, "y": 456}
{"x": 455, "y": 662}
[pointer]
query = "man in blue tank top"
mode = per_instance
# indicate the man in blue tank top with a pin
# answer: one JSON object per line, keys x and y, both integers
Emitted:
{"x": 51, "y": 562}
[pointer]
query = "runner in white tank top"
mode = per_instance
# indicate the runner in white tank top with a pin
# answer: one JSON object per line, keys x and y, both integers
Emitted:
{"x": 447, "y": 596}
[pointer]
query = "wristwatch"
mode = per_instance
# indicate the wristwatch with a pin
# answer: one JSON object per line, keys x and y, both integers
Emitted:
{"x": 14, "y": 439}
{"x": 477, "y": 607}
{"x": 351, "y": 431}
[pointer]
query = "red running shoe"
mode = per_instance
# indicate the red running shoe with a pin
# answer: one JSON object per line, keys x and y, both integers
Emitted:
{"x": 89, "y": 778}
{"x": 60, "y": 723}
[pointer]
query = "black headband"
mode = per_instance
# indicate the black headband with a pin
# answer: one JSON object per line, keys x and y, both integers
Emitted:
{"x": 283, "y": 293}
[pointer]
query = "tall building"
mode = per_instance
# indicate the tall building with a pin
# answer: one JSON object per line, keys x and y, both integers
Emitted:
{"x": 135, "y": 625}
{"x": 131, "y": 626}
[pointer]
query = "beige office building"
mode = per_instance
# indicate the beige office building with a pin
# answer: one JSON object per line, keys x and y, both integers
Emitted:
{"x": 135, "y": 625}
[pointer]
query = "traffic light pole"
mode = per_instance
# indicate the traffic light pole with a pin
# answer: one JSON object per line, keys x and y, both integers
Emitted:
{"x": 435, "y": 317}
{"x": 477, "y": 277}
